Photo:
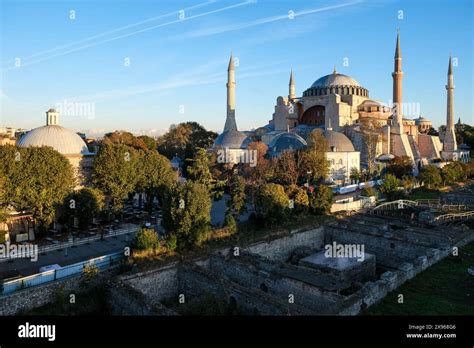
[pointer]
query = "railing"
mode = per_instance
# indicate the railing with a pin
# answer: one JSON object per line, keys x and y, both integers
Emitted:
{"x": 80, "y": 241}
{"x": 394, "y": 205}
{"x": 453, "y": 217}
{"x": 423, "y": 203}
{"x": 101, "y": 262}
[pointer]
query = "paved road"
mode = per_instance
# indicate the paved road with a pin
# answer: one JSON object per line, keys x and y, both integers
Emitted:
{"x": 74, "y": 254}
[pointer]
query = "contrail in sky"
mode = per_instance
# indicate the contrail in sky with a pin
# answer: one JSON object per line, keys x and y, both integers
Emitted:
{"x": 233, "y": 27}
{"x": 246, "y": 2}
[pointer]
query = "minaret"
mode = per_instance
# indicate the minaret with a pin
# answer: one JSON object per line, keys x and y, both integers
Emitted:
{"x": 52, "y": 117}
{"x": 230, "y": 120}
{"x": 449, "y": 143}
{"x": 292, "y": 94}
{"x": 397, "y": 76}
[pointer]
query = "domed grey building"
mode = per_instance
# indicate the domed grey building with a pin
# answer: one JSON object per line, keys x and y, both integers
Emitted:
{"x": 63, "y": 140}
{"x": 284, "y": 142}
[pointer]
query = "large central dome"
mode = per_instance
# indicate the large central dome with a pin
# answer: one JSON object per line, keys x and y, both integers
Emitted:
{"x": 61, "y": 139}
{"x": 336, "y": 83}
{"x": 333, "y": 80}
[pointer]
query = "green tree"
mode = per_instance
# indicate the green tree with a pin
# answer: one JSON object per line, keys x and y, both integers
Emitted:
{"x": 184, "y": 140}
{"x": 272, "y": 203}
{"x": 400, "y": 167}
{"x": 300, "y": 199}
{"x": 453, "y": 173}
{"x": 150, "y": 142}
{"x": 390, "y": 186}
{"x": 115, "y": 172}
{"x": 36, "y": 179}
{"x": 230, "y": 223}
{"x": 187, "y": 212}
{"x": 85, "y": 205}
{"x": 236, "y": 203}
{"x": 355, "y": 174}
{"x": 312, "y": 162}
{"x": 430, "y": 176}
{"x": 154, "y": 176}
{"x": 320, "y": 201}
{"x": 199, "y": 171}
{"x": 124, "y": 138}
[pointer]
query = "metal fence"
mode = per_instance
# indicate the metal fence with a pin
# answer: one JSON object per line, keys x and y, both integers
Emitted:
{"x": 79, "y": 241}
{"x": 100, "y": 262}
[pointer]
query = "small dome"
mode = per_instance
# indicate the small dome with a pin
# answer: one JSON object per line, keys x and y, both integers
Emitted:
{"x": 333, "y": 80}
{"x": 231, "y": 139}
{"x": 338, "y": 142}
{"x": 286, "y": 141}
{"x": 422, "y": 119}
{"x": 63, "y": 140}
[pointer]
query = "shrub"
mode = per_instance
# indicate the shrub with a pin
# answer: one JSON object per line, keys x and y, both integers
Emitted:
{"x": 272, "y": 203}
{"x": 89, "y": 272}
{"x": 430, "y": 176}
{"x": 390, "y": 186}
{"x": 230, "y": 223}
{"x": 368, "y": 192}
{"x": 171, "y": 242}
{"x": 146, "y": 239}
{"x": 320, "y": 200}
{"x": 453, "y": 173}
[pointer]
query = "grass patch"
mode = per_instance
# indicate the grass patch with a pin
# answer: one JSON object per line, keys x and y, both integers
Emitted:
{"x": 443, "y": 289}
{"x": 93, "y": 301}
{"x": 424, "y": 193}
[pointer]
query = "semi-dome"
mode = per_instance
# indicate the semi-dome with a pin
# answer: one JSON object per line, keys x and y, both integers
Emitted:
{"x": 231, "y": 139}
{"x": 335, "y": 79}
{"x": 63, "y": 140}
{"x": 338, "y": 142}
{"x": 286, "y": 141}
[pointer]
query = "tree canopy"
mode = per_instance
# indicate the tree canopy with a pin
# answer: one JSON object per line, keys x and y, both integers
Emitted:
{"x": 36, "y": 178}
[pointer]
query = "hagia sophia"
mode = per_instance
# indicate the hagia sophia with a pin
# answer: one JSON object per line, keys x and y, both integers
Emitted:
{"x": 336, "y": 103}
{"x": 342, "y": 108}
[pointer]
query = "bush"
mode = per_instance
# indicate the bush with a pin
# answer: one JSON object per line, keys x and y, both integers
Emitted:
{"x": 300, "y": 199}
{"x": 171, "y": 242}
{"x": 230, "y": 223}
{"x": 390, "y": 186}
{"x": 272, "y": 203}
{"x": 368, "y": 192}
{"x": 430, "y": 176}
{"x": 89, "y": 272}
{"x": 320, "y": 201}
{"x": 146, "y": 239}
{"x": 453, "y": 173}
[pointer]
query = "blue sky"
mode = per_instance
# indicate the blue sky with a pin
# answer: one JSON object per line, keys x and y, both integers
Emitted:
{"x": 177, "y": 69}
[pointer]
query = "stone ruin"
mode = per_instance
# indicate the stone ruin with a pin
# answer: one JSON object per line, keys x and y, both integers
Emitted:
{"x": 291, "y": 275}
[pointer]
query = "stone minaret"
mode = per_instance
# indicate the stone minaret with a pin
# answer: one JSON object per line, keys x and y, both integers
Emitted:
{"x": 52, "y": 117}
{"x": 292, "y": 94}
{"x": 397, "y": 76}
{"x": 449, "y": 143}
{"x": 230, "y": 120}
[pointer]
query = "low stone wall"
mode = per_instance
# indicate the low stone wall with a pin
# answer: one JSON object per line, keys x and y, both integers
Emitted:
{"x": 280, "y": 249}
{"x": 160, "y": 284}
{"x": 38, "y": 296}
